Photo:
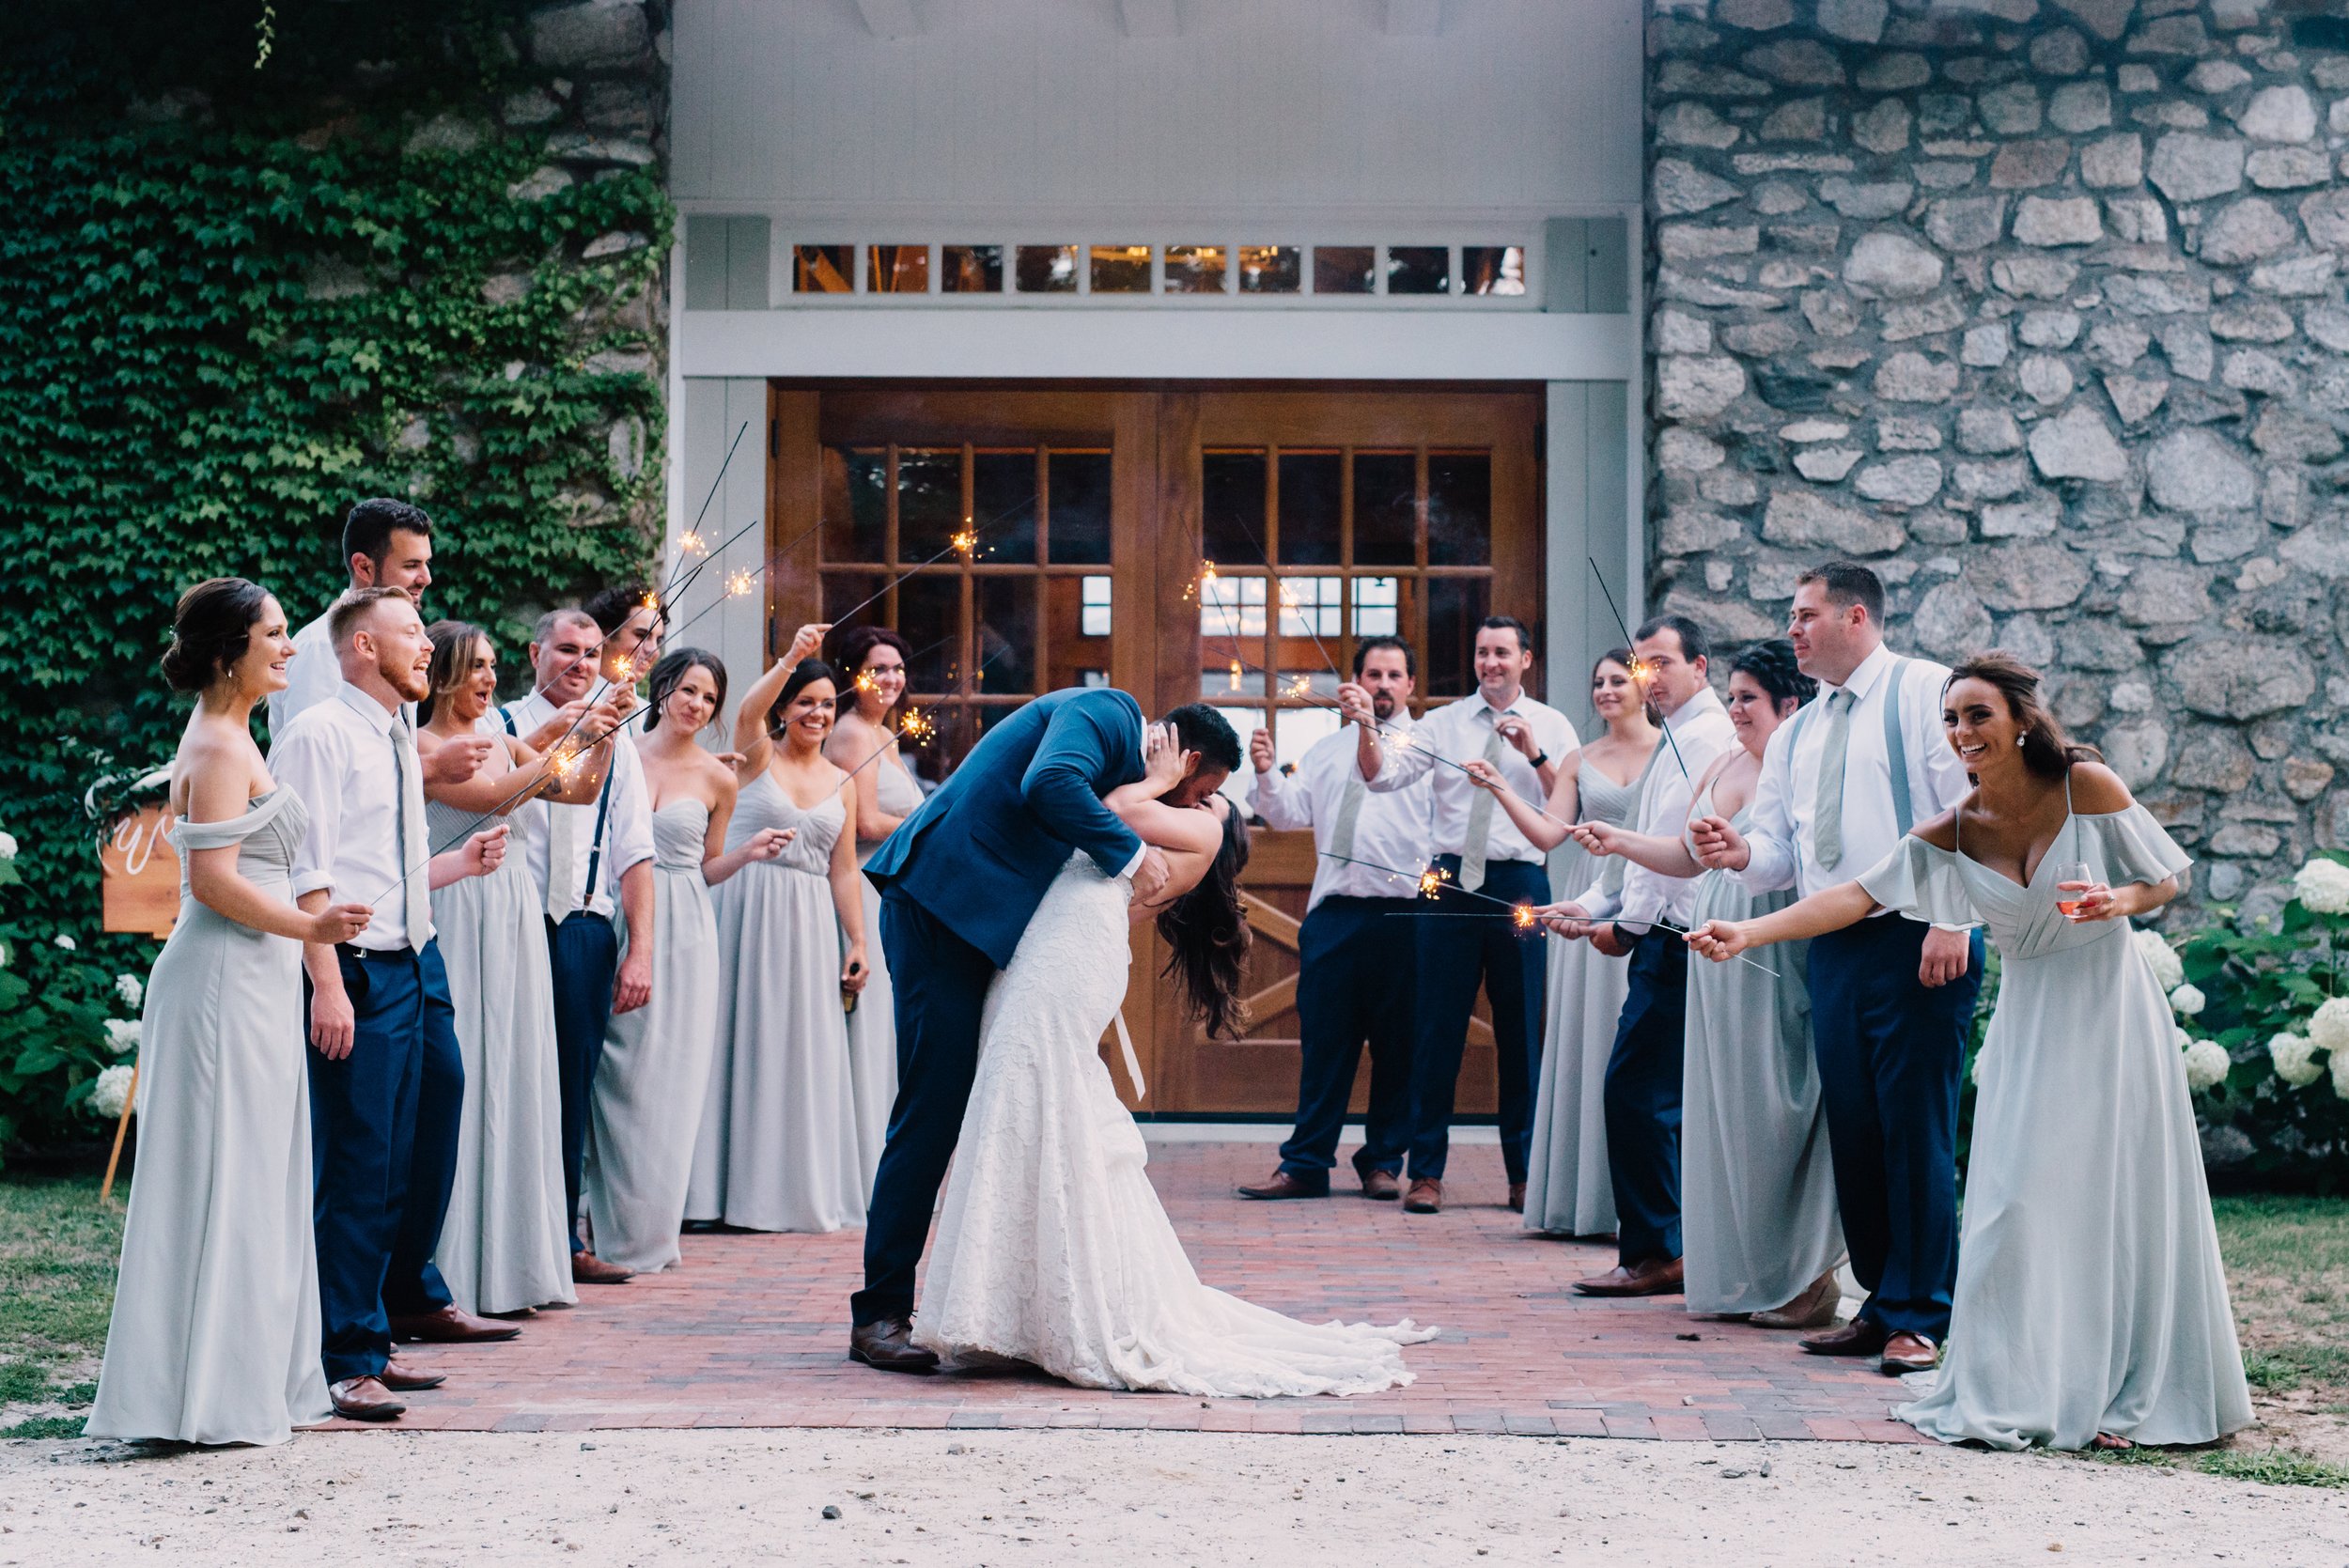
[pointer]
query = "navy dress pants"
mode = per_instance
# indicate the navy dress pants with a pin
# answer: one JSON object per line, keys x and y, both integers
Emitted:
{"x": 938, "y": 983}
{"x": 1354, "y": 984}
{"x": 1453, "y": 955}
{"x": 1642, "y": 1100}
{"x": 383, "y": 1124}
{"x": 1890, "y": 1051}
{"x": 584, "y": 951}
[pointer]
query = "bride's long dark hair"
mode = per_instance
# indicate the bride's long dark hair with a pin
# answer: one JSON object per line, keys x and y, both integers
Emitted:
{"x": 1206, "y": 935}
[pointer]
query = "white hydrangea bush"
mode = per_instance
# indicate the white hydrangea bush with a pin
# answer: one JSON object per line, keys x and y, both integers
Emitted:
{"x": 110, "y": 1091}
{"x": 2294, "y": 1059}
{"x": 2169, "y": 968}
{"x": 2322, "y": 886}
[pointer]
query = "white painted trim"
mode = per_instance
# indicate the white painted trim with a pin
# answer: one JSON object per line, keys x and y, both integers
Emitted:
{"x": 1635, "y": 424}
{"x": 1226, "y": 344}
{"x": 672, "y": 435}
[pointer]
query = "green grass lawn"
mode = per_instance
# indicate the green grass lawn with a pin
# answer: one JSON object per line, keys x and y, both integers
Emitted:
{"x": 2287, "y": 1265}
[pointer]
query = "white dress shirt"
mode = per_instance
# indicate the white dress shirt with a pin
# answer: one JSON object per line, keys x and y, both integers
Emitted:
{"x": 313, "y": 675}
{"x": 1786, "y": 797}
{"x": 626, "y": 827}
{"x": 1458, "y": 731}
{"x": 1389, "y": 827}
{"x": 340, "y": 757}
{"x": 1701, "y": 733}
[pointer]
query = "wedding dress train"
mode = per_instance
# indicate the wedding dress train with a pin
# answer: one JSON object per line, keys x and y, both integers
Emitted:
{"x": 1052, "y": 1248}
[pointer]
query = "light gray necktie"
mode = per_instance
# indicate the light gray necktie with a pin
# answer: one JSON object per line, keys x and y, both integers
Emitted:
{"x": 1826, "y": 829}
{"x": 1349, "y": 810}
{"x": 1480, "y": 822}
{"x": 414, "y": 853}
{"x": 561, "y": 860}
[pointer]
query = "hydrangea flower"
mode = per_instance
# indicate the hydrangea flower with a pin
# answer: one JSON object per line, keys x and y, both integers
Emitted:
{"x": 111, "y": 1093}
{"x": 2294, "y": 1059}
{"x": 123, "y": 1035}
{"x": 2322, "y": 886}
{"x": 67, "y": 942}
{"x": 2206, "y": 1064}
{"x": 7, "y": 847}
{"x": 2169, "y": 968}
{"x": 2329, "y": 1027}
{"x": 2341, "y": 1073}
{"x": 2187, "y": 1000}
{"x": 130, "y": 990}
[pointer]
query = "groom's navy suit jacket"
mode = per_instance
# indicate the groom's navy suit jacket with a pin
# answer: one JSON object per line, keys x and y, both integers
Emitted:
{"x": 980, "y": 853}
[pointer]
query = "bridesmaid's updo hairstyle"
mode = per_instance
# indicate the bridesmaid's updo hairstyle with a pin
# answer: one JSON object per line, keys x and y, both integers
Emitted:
{"x": 803, "y": 673}
{"x": 672, "y": 669}
{"x": 454, "y": 645}
{"x": 1206, "y": 936}
{"x": 2046, "y": 749}
{"x": 1770, "y": 665}
{"x": 1629, "y": 662}
{"x": 210, "y": 630}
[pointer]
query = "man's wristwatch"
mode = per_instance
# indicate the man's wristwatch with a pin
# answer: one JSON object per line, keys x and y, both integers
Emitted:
{"x": 1541, "y": 759}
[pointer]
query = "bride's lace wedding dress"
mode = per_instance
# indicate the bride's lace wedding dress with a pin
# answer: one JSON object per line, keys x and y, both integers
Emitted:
{"x": 1052, "y": 1248}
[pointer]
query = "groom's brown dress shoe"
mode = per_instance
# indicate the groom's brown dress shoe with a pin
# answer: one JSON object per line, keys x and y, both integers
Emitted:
{"x": 589, "y": 1269}
{"x": 365, "y": 1399}
{"x": 406, "y": 1378}
{"x": 1516, "y": 1196}
{"x": 1909, "y": 1352}
{"x": 450, "y": 1326}
{"x": 1381, "y": 1185}
{"x": 888, "y": 1343}
{"x": 1425, "y": 1197}
{"x": 1861, "y": 1336}
{"x": 1648, "y": 1277}
{"x": 1283, "y": 1185}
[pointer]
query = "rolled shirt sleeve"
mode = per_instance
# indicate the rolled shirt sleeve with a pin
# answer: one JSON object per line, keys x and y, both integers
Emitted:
{"x": 631, "y": 812}
{"x": 1283, "y": 801}
{"x": 1772, "y": 861}
{"x": 312, "y": 761}
{"x": 1405, "y": 762}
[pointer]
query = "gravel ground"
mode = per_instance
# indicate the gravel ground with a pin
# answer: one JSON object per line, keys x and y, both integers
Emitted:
{"x": 1127, "y": 1498}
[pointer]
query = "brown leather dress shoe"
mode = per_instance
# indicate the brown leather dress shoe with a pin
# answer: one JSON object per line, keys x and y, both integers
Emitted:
{"x": 1381, "y": 1185}
{"x": 1648, "y": 1277}
{"x": 365, "y": 1399}
{"x": 451, "y": 1325}
{"x": 1861, "y": 1336}
{"x": 1284, "y": 1184}
{"x": 1425, "y": 1197}
{"x": 888, "y": 1345}
{"x": 1813, "y": 1309}
{"x": 589, "y": 1269}
{"x": 1516, "y": 1196}
{"x": 1907, "y": 1352}
{"x": 407, "y": 1378}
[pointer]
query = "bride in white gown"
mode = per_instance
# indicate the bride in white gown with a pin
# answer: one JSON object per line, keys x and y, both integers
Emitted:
{"x": 1052, "y": 1249}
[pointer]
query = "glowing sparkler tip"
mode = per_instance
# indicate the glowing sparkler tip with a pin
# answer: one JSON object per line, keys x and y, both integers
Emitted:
{"x": 1523, "y": 915}
{"x": 1235, "y": 681}
{"x": 687, "y": 543}
{"x": 1430, "y": 882}
{"x": 740, "y": 582}
{"x": 966, "y": 541}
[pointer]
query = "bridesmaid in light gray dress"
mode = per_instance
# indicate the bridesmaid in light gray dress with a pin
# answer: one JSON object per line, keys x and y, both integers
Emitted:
{"x": 1568, "y": 1188}
{"x": 1760, "y": 1232}
{"x": 778, "y": 1148}
{"x": 216, "y": 1330}
{"x": 2090, "y": 1306}
{"x": 504, "y": 1247}
{"x": 864, "y": 746}
{"x": 654, "y": 1079}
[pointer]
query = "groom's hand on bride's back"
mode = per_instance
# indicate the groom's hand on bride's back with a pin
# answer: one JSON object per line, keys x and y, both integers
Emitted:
{"x": 1150, "y": 877}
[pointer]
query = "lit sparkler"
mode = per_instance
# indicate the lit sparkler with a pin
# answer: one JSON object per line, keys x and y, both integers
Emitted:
{"x": 966, "y": 542}
{"x": 740, "y": 582}
{"x": 1524, "y": 917}
{"x": 1236, "y": 673}
{"x": 690, "y": 543}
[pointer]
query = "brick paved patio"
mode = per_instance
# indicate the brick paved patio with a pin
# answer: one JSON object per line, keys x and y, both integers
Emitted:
{"x": 751, "y": 1331}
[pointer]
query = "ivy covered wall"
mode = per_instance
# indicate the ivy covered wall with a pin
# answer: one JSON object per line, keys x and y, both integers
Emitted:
{"x": 257, "y": 261}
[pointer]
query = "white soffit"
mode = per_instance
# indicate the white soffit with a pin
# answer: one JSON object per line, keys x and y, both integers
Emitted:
{"x": 890, "y": 19}
{"x": 1150, "y": 19}
{"x": 1414, "y": 19}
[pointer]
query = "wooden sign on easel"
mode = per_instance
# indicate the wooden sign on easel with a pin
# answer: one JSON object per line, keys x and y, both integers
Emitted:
{"x": 140, "y": 885}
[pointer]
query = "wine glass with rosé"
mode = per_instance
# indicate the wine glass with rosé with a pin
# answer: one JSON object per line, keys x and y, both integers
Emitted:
{"x": 2073, "y": 880}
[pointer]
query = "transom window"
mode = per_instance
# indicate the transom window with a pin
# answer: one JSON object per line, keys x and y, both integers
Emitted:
{"x": 1494, "y": 271}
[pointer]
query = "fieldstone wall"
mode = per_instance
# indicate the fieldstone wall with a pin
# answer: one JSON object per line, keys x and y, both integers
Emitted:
{"x": 2036, "y": 308}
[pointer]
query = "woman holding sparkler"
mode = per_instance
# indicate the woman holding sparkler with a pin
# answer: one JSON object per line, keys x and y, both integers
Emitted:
{"x": 1567, "y": 1189}
{"x": 864, "y": 747}
{"x": 778, "y": 1146}
{"x": 654, "y": 1078}
{"x": 2090, "y": 1307}
{"x": 1757, "y": 1191}
{"x": 506, "y": 1244}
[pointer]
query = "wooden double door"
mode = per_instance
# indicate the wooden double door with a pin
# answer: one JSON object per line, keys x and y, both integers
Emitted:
{"x": 1185, "y": 543}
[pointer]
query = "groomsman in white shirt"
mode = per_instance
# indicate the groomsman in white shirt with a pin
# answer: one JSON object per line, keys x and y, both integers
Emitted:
{"x": 386, "y": 1082}
{"x": 591, "y": 862}
{"x": 1643, "y": 1084}
{"x": 1891, "y": 998}
{"x": 1354, "y": 979}
{"x": 1477, "y": 850}
{"x": 386, "y": 544}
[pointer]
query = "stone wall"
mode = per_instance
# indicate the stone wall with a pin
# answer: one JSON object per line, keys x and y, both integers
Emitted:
{"x": 2036, "y": 308}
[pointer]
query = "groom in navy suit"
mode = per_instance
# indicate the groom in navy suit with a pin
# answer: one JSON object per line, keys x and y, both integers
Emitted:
{"x": 960, "y": 878}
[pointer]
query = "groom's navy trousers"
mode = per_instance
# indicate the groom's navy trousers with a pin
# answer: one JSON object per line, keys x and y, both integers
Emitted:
{"x": 940, "y": 984}
{"x": 1453, "y": 952}
{"x": 383, "y": 1125}
{"x": 1643, "y": 1100}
